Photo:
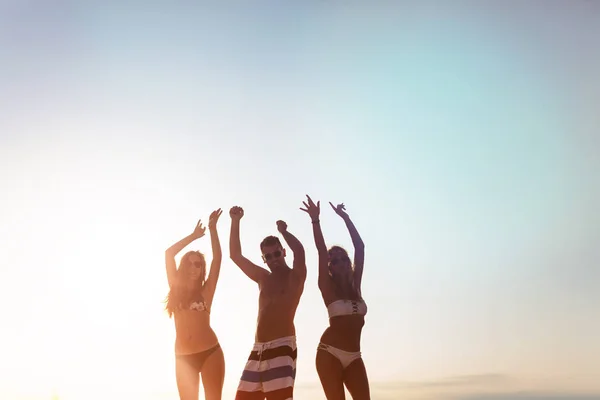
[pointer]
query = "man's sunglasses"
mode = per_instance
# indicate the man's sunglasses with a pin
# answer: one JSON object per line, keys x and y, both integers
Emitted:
{"x": 275, "y": 254}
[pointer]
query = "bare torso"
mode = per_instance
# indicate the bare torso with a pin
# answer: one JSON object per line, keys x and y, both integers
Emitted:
{"x": 277, "y": 303}
{"x": 344, "y": 332}
{"x": 193, "y": 332}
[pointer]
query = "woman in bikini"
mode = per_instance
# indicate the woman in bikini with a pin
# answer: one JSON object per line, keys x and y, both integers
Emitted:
{"x": 197, "y": 349}
{"x": 339, "y": 361}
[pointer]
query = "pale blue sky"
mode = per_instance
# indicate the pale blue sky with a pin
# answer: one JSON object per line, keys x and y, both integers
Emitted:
{"x": 462, "y": 137}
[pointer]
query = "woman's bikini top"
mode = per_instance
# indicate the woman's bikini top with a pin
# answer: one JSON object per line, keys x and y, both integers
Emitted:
{"x": 199, "y": 306}
{"x": 347, "y": 307}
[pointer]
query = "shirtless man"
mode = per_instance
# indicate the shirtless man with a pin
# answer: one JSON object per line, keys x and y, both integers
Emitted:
{"x": 271, "y": 367}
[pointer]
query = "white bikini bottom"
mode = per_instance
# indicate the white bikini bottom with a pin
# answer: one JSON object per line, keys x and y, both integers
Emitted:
{"x": 346, "y": 357}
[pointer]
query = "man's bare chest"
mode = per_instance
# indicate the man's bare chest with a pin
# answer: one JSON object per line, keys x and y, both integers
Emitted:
{"x": 279, "y": 290}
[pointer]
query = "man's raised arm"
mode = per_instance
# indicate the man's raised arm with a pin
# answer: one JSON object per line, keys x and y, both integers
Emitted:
{"x": 299, "y": 266}
{"x": 251, "y": 270}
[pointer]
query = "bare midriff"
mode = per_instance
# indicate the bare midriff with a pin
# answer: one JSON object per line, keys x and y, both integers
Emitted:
{"x": 344, "y": 332}
{"x": 275, "y": 321}
{"x": 193, "y": 333}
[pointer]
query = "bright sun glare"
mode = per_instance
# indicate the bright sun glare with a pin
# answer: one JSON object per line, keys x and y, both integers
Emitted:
{"x": 105, "y": 324}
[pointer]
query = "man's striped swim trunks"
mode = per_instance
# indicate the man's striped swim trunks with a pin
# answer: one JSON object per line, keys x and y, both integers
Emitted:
{"x": 270, "y": 371}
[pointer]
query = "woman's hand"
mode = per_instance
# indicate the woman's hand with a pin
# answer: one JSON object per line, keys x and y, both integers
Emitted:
{"x": 312, "y": 209}
{"x": 198, "y": 230}
{"x": 340, "y": 210}
{"x": 214, "y": 217}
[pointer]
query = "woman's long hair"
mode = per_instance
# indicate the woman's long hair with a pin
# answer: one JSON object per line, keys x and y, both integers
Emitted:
{"x": 337, "y": 280}
{"x": 179, "y": 293}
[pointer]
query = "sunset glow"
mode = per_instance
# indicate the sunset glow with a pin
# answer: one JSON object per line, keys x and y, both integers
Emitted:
{"x": 462, "y": 140}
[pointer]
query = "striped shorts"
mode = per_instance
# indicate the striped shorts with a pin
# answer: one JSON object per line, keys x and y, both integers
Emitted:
{"x": 270, "y": 371}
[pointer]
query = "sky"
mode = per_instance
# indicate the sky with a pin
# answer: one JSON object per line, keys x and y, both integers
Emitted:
{"x": 461, "y": 136}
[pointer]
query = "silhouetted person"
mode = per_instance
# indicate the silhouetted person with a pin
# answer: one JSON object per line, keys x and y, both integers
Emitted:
{"x": 339, "y": 360}
{"x": 197, "y": 349}
{"x": 271, "y": 367}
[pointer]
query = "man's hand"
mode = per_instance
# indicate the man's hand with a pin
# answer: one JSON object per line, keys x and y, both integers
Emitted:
{"x": 236, "y": 213}
{"x": 281, "y": 226}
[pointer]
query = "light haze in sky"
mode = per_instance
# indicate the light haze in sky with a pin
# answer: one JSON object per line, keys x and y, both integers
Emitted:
{"x": 462, "y": 137}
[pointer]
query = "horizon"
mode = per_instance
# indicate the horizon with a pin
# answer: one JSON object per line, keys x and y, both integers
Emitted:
{"x": 472, "y": 387}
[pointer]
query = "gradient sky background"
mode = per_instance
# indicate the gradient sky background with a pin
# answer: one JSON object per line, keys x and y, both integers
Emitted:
{"x": 463, "y": 138}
